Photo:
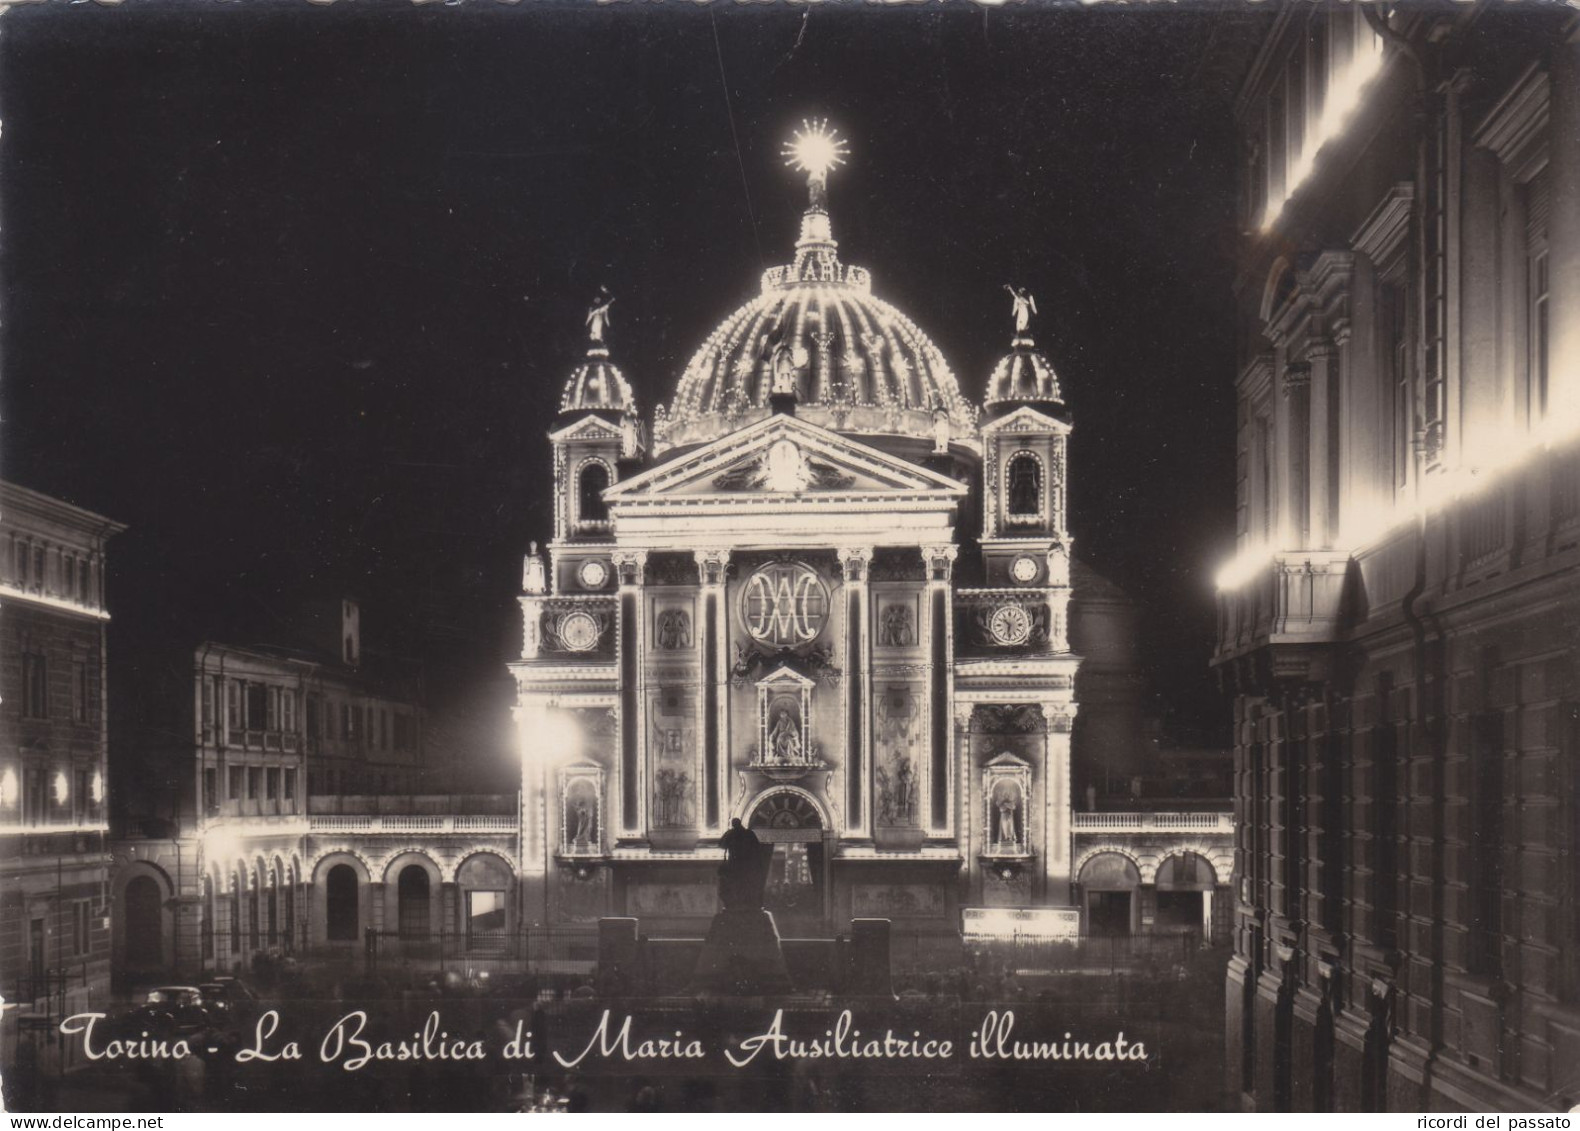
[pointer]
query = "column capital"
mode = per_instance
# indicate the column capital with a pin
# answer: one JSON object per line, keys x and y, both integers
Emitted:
{"x": 856, "y": 560}
{"x": 963, "y": 713}
{"x": 940, "y": 561}
{"x": 629, "y": 564}
{"x": 711, "y": 565}
{"x": 1297, "y": 375}
{"x": 1320, "y": 351}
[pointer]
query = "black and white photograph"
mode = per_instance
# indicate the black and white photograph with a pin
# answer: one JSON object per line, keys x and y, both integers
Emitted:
{"x": 842, "y": 557}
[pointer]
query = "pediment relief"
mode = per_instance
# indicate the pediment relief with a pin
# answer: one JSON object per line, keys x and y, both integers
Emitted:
{"x": 783, "y": 456}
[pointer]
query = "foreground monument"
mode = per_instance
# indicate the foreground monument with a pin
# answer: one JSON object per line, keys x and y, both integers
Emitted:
{"x": 741, "y": 955}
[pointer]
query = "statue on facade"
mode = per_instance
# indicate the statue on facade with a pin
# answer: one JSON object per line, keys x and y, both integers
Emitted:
{"x": 744, "y": 874}
{"x": 904, "y": 790}
{"x": 1024, "y": 307}
{"x": 674, "y": 630}
{"x": 598, "y": 316}
{"x": 533, "y": 577}
{"x": 583, "y": 834}
{"x": 1006, "y": 822}
{"x": 784, "y": 739}
{"x": 895, "y": 628}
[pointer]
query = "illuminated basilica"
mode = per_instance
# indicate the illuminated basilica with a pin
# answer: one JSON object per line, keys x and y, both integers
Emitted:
{"x": 824, "y": 594}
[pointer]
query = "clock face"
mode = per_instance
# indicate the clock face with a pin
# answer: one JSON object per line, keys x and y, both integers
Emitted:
{"x": 593, "y": 574}
{"x": 1024, "y": 570}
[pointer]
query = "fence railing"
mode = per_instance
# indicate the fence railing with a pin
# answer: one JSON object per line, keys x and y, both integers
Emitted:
{"x": 409, "y": 823}
{"x": 1153, "y": 822}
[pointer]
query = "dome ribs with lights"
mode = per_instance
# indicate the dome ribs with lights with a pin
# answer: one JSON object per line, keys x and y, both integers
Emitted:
{"x": 856, "y": 364}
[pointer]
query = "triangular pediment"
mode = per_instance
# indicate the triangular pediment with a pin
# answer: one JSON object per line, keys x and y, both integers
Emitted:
{"x": 785, "y": 457}
{"x": 587, "y": 428}
{"x": 1026, "y": 419}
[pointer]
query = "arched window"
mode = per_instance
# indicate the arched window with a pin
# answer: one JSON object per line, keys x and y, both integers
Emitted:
{"x": 1023, "y": 483}
{"x": 590, "y": 486}
{"x": 340, "y": 894}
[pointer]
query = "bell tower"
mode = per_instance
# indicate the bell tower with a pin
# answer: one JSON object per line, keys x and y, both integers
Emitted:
{"x": 1025, "y": 540}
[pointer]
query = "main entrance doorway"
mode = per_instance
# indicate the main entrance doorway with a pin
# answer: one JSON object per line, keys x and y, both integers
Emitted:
{"x": 797, "y": 891}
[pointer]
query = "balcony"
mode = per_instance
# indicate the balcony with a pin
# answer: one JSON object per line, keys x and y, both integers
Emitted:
{"x": 373, "y": 823}
{"x": 1204, "y": 823}
{"x": 1296, "y": 598}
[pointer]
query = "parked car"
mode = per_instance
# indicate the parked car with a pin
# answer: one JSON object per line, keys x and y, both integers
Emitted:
{"x": 230, "y": 1002}
{"x": 172, "y": 1010}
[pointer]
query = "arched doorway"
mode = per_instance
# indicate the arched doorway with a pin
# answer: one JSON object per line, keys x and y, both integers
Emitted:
{"x": 1109, "y": 883}
{"x": 412, "y": 894}
{"x": 1185, "y": 884}
{"x": 797, "y": 891}
{"x": 145, "y": 941}
{"x": 341, "y": 911}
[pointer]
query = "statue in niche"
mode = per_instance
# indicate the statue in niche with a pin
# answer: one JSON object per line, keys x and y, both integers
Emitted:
{"x": 896, "y": 626}
{"x": 598, "y": 316}
{"x": 1006, "y": 822}
{"x": 1025, "y": 486}
{"x": 784, "y": 739}
{"x": 673, "y": 630}
{"x": 583, "y": 834}
{"x": 885, "y": 797}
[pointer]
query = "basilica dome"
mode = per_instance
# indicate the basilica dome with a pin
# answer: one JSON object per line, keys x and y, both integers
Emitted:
{"x": 854, "y": 363}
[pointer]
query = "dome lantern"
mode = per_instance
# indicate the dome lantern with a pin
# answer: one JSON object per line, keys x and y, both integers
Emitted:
{"x": 1024, "y": 375}
{"x": 817, "y": 338}
{"x": 597, "y": 385}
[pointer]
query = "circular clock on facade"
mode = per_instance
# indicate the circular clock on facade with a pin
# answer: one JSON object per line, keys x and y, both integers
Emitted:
{"x": 592, "y": 574}
{"x": 1024, "y": 569}
{"x": 578, "y": 632}
{"x": 1010, "y": 625}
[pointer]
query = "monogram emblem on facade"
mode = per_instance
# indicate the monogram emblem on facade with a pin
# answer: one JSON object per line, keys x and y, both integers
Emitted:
{"x": 784, "y": 604}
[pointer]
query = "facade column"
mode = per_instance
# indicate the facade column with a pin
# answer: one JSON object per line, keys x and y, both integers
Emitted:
{"x": 631, "y": 568}
{"x": 713, "y": 647}
{"x": 1296, "y": 461}
{"x": 530, "y": 713}
{"x": 969, "y": 800}
{"x": 1056, "y": 803}
{"x": 939, "y": 561}
{"x": 1563, "y": 235}
{"x": 1321, "y": 364}
{"x": 858, "y": 690}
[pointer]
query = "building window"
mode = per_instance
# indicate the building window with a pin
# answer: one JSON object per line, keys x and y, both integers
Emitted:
{"x": 210, "y": 792}
{"x": 32, "y": 795}
{"x": 288, "y": 711}
{"x": 68, "y": 577}
{"x": 85, "y": 595}
{"x": 1023, "y": 486}
{"x": 1396, "y": 366}
{"x": 254, "y": 783}
{"x": 290, "y": 790}
{"x": 38, "y": 569}
{"x": 23, "y": 557}
{"x": 591, "y": 484}
{"x": 314, "y": 708}
{"x": 233, "y": 785}
{"x": 257, "y": 706}
{"x": 35, "y": 686}
{"x": 80, "y": 685}
{"x": 80, "y": 797}
{"x": 271, "y": 783}
{"x": 81, "y": 931}
{"x": 1486, "y": 846}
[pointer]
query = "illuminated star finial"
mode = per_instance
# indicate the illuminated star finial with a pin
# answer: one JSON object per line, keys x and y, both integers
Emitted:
{"x": 815, "y": 148}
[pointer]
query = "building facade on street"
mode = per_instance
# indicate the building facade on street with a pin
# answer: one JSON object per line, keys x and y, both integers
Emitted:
{"x": 54, "y": 863}
{"x": 1399, "y": 625}
{"x": 214, "y": 861}
{"x": 827, "y": 596}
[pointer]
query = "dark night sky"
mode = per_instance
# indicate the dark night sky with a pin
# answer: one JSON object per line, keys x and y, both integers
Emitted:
{"x": 291, "y": 290}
